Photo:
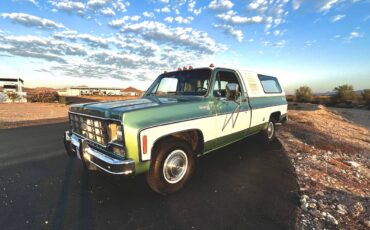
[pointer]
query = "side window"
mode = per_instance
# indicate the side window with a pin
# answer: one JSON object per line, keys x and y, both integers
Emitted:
{"x": 166, "y": 86}
{"x": 269, "y": 84}
{"x": 222, "y": 79}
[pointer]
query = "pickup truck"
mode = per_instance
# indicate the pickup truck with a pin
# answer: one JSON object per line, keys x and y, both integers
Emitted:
{"x": 184, "y": 114}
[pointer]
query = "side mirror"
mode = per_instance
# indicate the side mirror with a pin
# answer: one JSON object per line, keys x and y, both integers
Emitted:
{"x": 232, "y": 91}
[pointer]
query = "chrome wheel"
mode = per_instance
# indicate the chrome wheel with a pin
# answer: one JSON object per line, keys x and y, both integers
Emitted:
{"x": 270, "y": 130}
{"x": 175, "y": 166}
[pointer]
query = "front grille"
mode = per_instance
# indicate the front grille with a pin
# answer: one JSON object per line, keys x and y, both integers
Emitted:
{"x": 91, "y": 128}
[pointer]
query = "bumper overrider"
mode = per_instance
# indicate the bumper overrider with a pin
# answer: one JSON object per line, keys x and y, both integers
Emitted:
{"x": 94, "y": 158}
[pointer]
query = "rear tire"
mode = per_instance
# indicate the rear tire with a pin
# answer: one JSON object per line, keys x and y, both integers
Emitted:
{"x": 171, "y": 167}
{"x": 269, "y": 134}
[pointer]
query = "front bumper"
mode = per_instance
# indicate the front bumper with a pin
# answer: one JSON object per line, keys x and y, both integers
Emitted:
{"x": 91, "y": 156}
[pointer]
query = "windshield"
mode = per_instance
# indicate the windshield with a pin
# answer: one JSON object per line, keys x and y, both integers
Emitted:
{"x": 189, "y": 82}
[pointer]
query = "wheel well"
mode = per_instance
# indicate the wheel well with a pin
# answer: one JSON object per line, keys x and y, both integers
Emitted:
{"x": 275, "y": 116}
{"x": 193, "y": 137}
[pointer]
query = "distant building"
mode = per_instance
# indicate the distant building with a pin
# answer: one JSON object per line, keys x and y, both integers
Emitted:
{"x": 12, "y": 86}
{"x": 88, "y": 91}
{"x": 131, "y": 91}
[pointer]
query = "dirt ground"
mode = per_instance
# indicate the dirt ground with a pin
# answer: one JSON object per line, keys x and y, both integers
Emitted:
{"x": 24, "y": 114}
{"x": 359, "y": 116}
{"x": 331, "y": 157}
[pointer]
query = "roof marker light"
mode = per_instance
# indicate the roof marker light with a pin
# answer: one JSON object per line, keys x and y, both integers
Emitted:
{"x": 211, "y": 65}
{"x": 179, "y": 69}
{"x": 190, "y": 67}
{"x": 184, "y": 68}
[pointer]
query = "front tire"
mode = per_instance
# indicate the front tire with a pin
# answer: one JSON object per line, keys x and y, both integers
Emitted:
{"x": 172, "y": 166}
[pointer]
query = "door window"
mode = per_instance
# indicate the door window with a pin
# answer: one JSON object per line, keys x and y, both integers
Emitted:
{"x": 222, "y": 79}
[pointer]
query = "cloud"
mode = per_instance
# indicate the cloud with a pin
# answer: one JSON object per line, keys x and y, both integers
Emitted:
{"x": 179, "y": 19}
{"x": 188, "y": 38}
{"x": 42, "y": 48}
{"x": 32, "y": 21}
{"x": 119, "y": 22}
{"x": 220, "y": 5}
{"x": 91, "y": 40}
{"x": 148, "y": 14}
{"x": 296, "y": 4}
{"x": 232, "y": 18}
{"x": 227, "y": 29}
{"x": 95, "y": 4}
{"x": 69, "y": 6}
{"x": 108, "y": 12}
{"x": 354, "y": 35}
{"x": 327, "y": 5}
{"x": 163, "y": 10}
{"x": 337, "y": 17}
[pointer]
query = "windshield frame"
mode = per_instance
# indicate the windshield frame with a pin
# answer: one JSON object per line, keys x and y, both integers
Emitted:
{"x": 160, "y": 77}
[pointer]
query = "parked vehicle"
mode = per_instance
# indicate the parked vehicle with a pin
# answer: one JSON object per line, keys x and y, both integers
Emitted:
{"x": 184, "y": 114}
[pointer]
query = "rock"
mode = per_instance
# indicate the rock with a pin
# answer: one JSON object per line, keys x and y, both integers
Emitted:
{"x": 319, "y": 193}
{"x": 353, "y": 164}
{"x": 304, "y": 204}
{"x": 341, "y": 209}
{"x": 331, "y": 219}
{"x": 357, "y": 209}
{"x": 366, "y": 223}
{"x": 312, "y": 205}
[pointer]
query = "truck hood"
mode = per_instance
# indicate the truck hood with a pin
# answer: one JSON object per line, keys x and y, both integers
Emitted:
{"x": 116, "y": 109}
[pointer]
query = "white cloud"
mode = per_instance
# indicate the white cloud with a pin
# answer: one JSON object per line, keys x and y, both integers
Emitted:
{"x": 220, "y": 5}
{"x": 238, "y": 34}
{"x": 33, "y": 21}
{"x": 42, "y": 48}
{"x": 120, "y": 22}
{"x": 337, "y": 17}
{"x": 148, "y": 14}
{"x": 108, "y": 12}
{"x": 257, "y": 4}
{"x": 188, "y": 38}
{"x": 327, "y": 5}
{"x": 169, "y": 19}
{"x": 69, "y": 6}
{"x": 297, "y": 4}
{"x": 97, "y": 3}
{"x": 354, "y": 35}
{"x": 182, "y": 20}
{"x": 232, "y": 18}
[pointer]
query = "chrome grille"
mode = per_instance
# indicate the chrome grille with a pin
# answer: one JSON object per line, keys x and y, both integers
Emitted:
{"x": 91, "y": 128}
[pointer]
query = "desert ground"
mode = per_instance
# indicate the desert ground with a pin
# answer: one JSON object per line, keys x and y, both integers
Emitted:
{"x": 331, "y": 157}
{"x": 359, "y": 116}
{"x": 24, "y": 114}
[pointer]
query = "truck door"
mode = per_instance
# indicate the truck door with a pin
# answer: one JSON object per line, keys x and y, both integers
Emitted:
{"x": 233, "y": 116}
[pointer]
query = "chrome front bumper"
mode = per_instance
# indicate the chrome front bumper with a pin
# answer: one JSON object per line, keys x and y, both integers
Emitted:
{"x": 80, "y": 147}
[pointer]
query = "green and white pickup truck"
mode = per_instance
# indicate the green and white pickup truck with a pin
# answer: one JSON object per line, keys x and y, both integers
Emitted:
{"x": 184, "y": 114}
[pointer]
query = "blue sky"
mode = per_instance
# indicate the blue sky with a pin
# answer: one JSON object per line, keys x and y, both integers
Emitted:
{"x": 117, "y": 43}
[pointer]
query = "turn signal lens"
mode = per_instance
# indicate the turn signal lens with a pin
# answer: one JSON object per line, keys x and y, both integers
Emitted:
{"x": 145, "y": 144}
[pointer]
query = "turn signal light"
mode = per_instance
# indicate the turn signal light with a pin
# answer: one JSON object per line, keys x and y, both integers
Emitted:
{"x": 145, "y": 144}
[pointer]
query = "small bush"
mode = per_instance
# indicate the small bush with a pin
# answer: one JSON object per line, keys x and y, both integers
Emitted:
{"x": 43, "y": 96}
{"x": 13, "y": 96}
{"x": 345, "y": 94}
{"x": 303, "y": 94}
{"x": 366, "y": 97}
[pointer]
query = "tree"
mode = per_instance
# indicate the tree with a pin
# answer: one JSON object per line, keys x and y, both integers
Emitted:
{"x": 303, "y": 94}
{"x": 366, "y": 96}
{"x": 345, "y": 93}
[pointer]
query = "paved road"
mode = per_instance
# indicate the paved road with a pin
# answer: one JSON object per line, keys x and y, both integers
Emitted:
{"x": 244, "y": 186}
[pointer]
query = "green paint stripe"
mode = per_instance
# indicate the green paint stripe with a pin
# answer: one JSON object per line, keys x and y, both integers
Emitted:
{"x": 262, "y": 102}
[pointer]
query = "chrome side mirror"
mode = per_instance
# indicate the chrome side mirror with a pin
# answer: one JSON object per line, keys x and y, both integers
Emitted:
{"x": 232, "y": 91}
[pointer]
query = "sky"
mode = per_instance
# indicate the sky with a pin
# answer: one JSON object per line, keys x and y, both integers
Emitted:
{"x": 119, "y": 43}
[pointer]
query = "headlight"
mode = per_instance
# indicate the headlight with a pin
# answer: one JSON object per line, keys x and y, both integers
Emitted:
{"x": 115, "y": 132}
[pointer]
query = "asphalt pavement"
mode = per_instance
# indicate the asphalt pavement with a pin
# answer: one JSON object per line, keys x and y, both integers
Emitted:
{"x": 244, "y": 186}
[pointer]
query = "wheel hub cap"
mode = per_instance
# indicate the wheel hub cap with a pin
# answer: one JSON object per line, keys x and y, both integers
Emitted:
{"x": 175, "y": 166}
